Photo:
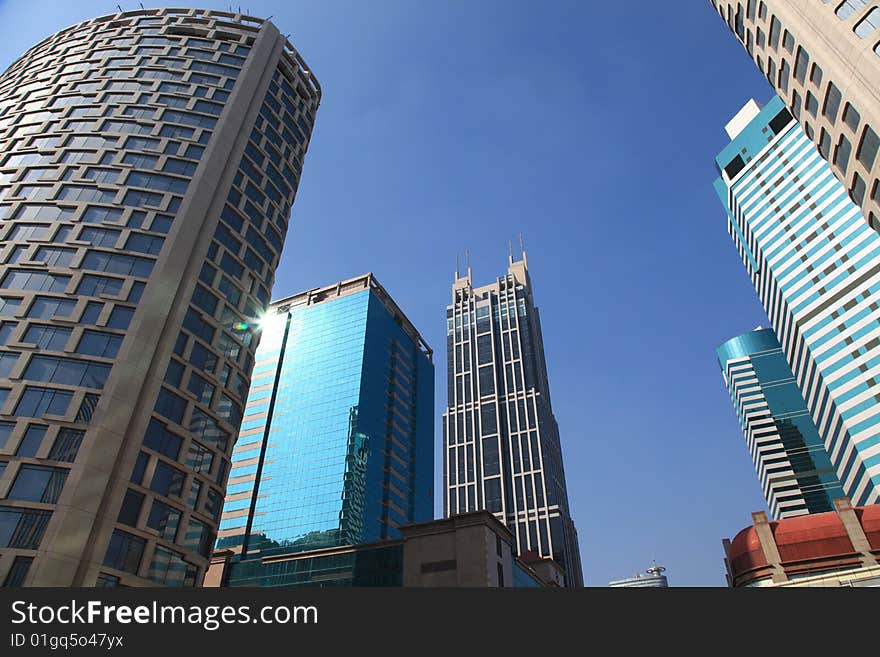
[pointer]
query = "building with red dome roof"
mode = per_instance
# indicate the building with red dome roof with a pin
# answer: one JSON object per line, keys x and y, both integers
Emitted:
{"x": 838, "y": 548}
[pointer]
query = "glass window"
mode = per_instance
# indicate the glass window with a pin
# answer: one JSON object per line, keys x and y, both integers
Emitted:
{"x": 868, "y": 25}
{"x": 38, "y": 402}
{"x": 164, "y": 519}
{"x": 167, "y": 480}
{"x": 851, "y": 117}
{"x": 22, "y": 528}
{"x": 842, "y": 153}
{"x": 868, "y": 148}
{"x": 832, "y": 103}
{"x": 36, "y": 483}
{"x": 93, "y": 286}
{"x": 120, "y": 317}
{"x": 825, "y": 144}
{"x": 125, "y": 551}
{"x": 66, "y": 371}
{"x": 92, "y": 312}
{"x": 784, "y": 73}
{"x": 169, "y": 568}
{"x": 99, "y": 343}
{"x": 52, "y": 338}
{"x": 24, "y": 279}
{"x": 160, "y": 439}
{"x": 170, "y": 405}
{"x": 858, "y": 189}
{"x": 31, "y": 441}
{"x": 99, "y": 236}
{"x": 18, "y": 572}
{"x": 812, "y": 105}
{"x": 131, "y": 508}
{"x": 66, "y": 445}
{"x": 48, "y": 307}
{"x": 849, "y": 7}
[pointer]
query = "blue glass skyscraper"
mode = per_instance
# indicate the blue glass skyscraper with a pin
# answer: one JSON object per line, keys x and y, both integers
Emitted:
{"x": 794, "y": 469}
{"x": 815, "y": 264}
{"x": 336, "y": 444}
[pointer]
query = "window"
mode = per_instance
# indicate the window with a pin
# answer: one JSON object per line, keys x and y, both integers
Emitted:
{"x": 164, "y": 519}
{"x": 36, "y": 483}
{"x": 868, "y": 25}
{"x": 825, "y": 144}
{"x": 849, "y": 7}
{"x": 51, "y": 369}
{"x": 52, "y": 338}
{"x": 170, "y": 405}
{"x": 784, "y": 73}
{"x": 99, "y": 236}
{"x": 116, "y": 263}
{"x": 22, "y": 528}
{"x": 801, "y": 64}
{"x": 66, "y": 445}
{"x": 24, "y": 279}
{"x": 54, "y": 256}
{"x": 832, "y": 103}
{"x": 131, "y": 508}
{"x": 851, "y": 117}
{"x": 91, "y": 313}
{"x": 48, "y": 307}
{"x": 812, "y": 105}
{"x": 858, "y": 189}
{"x": 120, "y": 317}
{"x": 99, "y": 343}
{"x": 199, "y": 458}
{"x": 788, "y": 41}
{"x": 160, "y": 439}
{"x": 169, "y": 568}
{"x": 94, "y": 286}
{"x": 38, "y": 402}
{"x": 125, "y": 551}
{"x": 18, "y": 572}
{"x": 868, "y": 148}
{"x": 796, "y": 104}
{"x": 167, "y": 480}
{"x": 31, "y": 441}
{"x": 144, "y": 243}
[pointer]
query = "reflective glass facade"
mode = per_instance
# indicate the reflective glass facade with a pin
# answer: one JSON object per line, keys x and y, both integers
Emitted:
{"x": 148, "y": 164}
{"x": 815, "y": 264}
{"x": 794, "y": 469}
{"x": 335, "y": 446}
{"x": 501, "y": 441}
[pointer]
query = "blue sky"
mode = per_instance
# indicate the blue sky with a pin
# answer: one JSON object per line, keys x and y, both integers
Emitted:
{"x": 591, "y": 128}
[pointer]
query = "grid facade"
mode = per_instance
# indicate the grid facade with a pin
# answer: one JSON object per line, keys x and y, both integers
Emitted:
{"x": 793, "y": 467}
{"x": 823, "y": 59}
{"x": 148, "y": 164}
{"x": 501, "y": 442}
{"x": 336, "y": 446}
{"x": 816, "y": 267}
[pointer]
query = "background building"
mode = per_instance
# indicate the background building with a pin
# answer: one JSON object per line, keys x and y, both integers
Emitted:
{"x": 823, "y": 59}
{"x": 794, "y": 469}
{"x": 469, "y": 550}
{"x": 816, "y": 267}
{"x": 148, "y": 163}
{"x": 838, "y": 548}
{"x": 336, "y": 445}
{"x": 501, "y": 441}
{"x": 652, "y": 578}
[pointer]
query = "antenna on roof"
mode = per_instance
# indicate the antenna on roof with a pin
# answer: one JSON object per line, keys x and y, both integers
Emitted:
{"x": 119, "y": 8}
{"x": 141, "y": 5}
{"x": 456, "y": 265}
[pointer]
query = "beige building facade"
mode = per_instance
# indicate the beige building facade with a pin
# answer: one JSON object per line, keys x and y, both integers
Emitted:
{"x": 823, "y": 59}
{"x": 148, "y": 164}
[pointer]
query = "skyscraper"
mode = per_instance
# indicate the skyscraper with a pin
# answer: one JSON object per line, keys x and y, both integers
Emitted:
{"x": 501, "y": 442}
{"x": 148, "y": 163}
{"x": 794, "y": 469}
{"x": 336, "y": 446}
{"x": 815, "y": 264}
{"x": 823, "y": 59}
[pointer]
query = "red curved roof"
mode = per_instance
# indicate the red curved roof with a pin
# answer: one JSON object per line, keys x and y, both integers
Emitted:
{"x": 818, "y": 540}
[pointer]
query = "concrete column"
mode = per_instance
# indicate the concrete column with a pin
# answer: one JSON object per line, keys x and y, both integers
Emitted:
{"x": 768, "y": 546}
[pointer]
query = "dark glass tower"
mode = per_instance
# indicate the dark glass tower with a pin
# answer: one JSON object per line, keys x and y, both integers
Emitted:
{"x": 336, "y": 443}
{"x": 501, "y": 441}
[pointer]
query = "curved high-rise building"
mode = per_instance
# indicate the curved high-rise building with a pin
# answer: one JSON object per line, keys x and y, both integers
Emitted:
{"x": 148, "y": 163}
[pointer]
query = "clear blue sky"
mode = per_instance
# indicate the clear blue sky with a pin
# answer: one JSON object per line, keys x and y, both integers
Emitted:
{"x": 591, "y": 128}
